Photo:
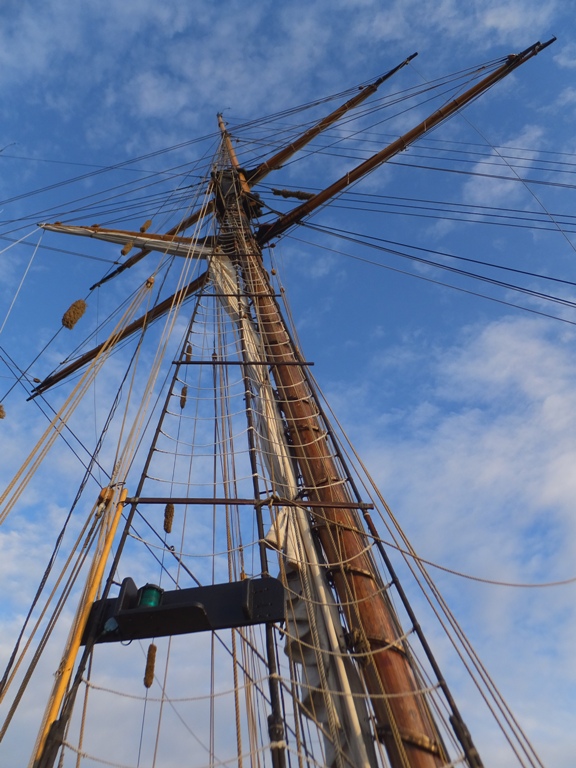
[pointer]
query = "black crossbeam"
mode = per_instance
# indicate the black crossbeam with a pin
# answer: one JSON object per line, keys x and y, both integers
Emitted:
{"x": 130, "y": 616}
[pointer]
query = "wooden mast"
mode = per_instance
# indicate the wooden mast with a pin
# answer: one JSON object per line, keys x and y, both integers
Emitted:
{"x": 404, "y": 723}
{"x": 268, "y": 232}
{"x": 110, "y": 506}
{"x": 264, "y": 168}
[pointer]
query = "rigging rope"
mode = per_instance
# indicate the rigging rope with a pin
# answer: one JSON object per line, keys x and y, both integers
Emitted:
{"x": 23, "y": 276}
{"x": 228, "y": 474}
{"x": 515, "y": 736}
{"x": 430, "y": 280}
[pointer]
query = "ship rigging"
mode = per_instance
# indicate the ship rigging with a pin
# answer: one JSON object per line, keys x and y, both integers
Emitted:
{"x": 260, "y": 530}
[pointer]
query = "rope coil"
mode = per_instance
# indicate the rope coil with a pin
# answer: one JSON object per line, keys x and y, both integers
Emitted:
{"x": 74, "y": 313}
{"x": 168, "y": 517}
{"x": 150, "y": 664}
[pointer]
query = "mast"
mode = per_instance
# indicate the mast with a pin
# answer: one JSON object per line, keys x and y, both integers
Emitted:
{"x": 268, "y": 232}
{"x": 264, "y": 168}
{"x": 316, "y": 477}
{"x": 404, "y": 723}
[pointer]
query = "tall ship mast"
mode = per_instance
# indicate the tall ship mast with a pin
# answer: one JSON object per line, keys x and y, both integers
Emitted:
{"x": 237, "y": 598}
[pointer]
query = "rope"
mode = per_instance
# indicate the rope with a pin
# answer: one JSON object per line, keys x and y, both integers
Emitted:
{"x": 84, "y": 714}
{"x": 430, "y": 280}
{"x": 525, "y": 182}
{"x": 216, "y": 762}
{"x": 482, "y": 580}
{"x": 18, "y": 483}
{"x": 172, "y": 699}
{"x": 23, "y": 276}
{"x": 465, "y": 649}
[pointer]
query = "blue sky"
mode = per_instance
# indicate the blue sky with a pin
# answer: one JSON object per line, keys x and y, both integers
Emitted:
{"x": 462, "y": 407}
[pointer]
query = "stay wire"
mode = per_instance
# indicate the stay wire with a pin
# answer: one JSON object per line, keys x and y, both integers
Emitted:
{"x": 469, "y": 149}
{"x": 98, "y": 170}
{"x": 314, "y": 148}
{"x": 470, "y": 577}
{"x": 21, "y": 283}
{"x": 405, "y": 93}
{"x": 465, "y": 273}
{"x": 88, "y": 474}
{"x": 386, "y": 101}
{"x": 478, "y": 145}
{"x": 474, "y": 217}
{"x": 526, "y": 186}
{"x": 465, "y": 649}
{"x": 434, "y": 282}
{"x": 405, "y": 161}
{"x": 344, "y": 233}
{"x": 375, "y": 203}
{"x": 19, "y": 374}
{"x": 356, "y": 153}
{"x": 106, "y": 169}
{"x": 62, "y": 211}
{"x": 44, "y": 247}
{"x": 541, "y": 182}
{"x": 510, "y": 166}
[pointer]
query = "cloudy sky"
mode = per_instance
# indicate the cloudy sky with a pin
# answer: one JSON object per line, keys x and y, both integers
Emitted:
{"x": 462, "y": 405}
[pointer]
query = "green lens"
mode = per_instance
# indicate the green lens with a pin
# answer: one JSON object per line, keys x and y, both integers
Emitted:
{"x": 149, "y": 596}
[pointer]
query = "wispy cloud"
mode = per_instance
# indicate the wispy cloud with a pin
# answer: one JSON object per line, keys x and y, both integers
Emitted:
{"x": 566, "y": 57}
{"x": 471, "y": 471}
{"x": 484, "y": 190}
{"x": 470, "y": 430}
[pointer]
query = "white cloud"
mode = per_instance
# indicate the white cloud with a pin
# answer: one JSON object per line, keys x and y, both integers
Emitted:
{"x": 507, "y": 21}
{"x": 483, "y": 190}
{"x": 567, "y": 97}
{"x": 480, "y": 466}
{"x": 479, "y": 473}
{"x": 482, "y": 22}
{"x": 566, "y": 57}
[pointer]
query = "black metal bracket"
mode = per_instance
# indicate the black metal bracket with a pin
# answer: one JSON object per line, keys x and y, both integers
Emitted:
{"x": 181, "y": 611}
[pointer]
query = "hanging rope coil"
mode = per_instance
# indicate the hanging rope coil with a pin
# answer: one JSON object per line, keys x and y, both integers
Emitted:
{"x": 2, "y": 412}
{"x": 168, "y": 517}
{"x": 150, "y": 665}
{"x": 183, "y": 396}
{"x": 74, "y": 313}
